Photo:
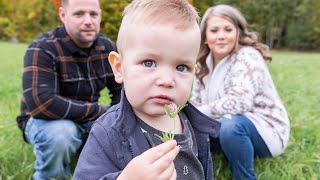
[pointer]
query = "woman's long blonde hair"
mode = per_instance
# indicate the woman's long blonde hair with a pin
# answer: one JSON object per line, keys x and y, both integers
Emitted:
{"x": 245, "y": 37}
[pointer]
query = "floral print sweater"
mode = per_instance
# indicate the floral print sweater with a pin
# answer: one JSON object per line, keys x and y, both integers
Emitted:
{"x": 241, "y": 84}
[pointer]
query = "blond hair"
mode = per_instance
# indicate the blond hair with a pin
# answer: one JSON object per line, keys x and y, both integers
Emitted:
{"x": 179, "y": 13}
{"x": 245, "y": 37}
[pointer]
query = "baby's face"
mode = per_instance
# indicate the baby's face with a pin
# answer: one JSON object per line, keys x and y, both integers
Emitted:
{"x": 158, "y": 65}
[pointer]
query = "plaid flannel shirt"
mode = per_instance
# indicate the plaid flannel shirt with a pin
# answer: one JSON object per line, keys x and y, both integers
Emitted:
{"x": 63, "y": 81}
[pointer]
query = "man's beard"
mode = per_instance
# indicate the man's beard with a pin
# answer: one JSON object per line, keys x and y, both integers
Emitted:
{"x": 84, "y": 39}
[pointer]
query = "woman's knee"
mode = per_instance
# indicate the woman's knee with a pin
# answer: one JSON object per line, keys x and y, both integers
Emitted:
{"x": 231, "y": 126}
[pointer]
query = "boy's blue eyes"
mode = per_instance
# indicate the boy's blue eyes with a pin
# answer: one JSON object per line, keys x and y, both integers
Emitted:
{"x": 182, "y": 68}
{"x": 150, "y": 63}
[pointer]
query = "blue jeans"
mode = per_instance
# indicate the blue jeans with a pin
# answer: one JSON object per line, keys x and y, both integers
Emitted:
{"x": 240, "y": 142}
{"x": 54, "y": 142}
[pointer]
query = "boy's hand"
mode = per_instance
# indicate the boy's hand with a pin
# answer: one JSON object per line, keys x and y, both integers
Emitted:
{"x": 155, "y": 163}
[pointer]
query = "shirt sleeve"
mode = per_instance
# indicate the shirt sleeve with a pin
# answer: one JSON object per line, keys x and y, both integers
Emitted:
{"x": 41, "y": 90}
{"x": 244, "y": 81}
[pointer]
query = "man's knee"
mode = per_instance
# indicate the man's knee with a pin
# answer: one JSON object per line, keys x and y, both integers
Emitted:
{"x": 60, "y": 135}
{"x": 65, "y": 136}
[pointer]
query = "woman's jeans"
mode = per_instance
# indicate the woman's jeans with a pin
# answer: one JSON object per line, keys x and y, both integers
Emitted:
{"x": 240, "y": 142}
{"x": 54, "y": 142}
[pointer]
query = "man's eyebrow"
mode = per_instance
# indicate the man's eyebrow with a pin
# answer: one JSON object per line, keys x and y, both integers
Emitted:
{"x": 82, "y": 11}
{"x": 78, "y": 11}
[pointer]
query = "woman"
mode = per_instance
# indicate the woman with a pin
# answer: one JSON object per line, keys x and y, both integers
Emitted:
{"x": 233, "y": 85}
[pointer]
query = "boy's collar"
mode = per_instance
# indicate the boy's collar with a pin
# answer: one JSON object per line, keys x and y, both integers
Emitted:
{"x": 201, "y": 122}
{"x": 125, "y": 122}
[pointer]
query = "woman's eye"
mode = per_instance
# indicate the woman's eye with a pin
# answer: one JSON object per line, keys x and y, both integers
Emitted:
{"x": 149, "y": 63}
{"x": 229, "y": 30}
{"x": 182, "y": 68}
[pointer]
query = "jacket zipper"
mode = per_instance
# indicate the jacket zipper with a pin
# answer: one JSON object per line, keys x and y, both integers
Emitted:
{"x": 208, "y": 160}
{"x": 131, "y": 150}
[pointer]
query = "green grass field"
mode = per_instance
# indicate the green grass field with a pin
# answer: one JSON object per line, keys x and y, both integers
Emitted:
{"x": 295, "y": 74}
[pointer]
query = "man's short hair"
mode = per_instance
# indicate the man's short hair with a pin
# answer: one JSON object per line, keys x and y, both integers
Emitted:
{"x": 64, "y": 3}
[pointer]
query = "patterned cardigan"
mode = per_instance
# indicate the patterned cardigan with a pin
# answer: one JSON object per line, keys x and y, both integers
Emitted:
{"x": 242, "y": 84}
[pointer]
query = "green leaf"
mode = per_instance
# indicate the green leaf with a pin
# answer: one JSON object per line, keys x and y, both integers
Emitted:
{"x": 165, "y": 137}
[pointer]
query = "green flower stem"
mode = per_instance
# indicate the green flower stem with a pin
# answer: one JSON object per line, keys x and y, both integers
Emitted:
{"x": 174, "y": 128}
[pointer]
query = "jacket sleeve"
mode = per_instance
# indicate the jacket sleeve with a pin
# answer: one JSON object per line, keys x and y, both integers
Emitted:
{"x": 244, "y": 81}
{"x": 41, "y": 89}
{"x": 98, "y": 158}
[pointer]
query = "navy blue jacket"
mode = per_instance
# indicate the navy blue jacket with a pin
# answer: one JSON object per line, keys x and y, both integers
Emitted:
{"x": 115, "y": 139}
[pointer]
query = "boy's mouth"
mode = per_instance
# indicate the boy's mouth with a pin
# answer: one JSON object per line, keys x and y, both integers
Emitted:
{"x": 162, "y": 99}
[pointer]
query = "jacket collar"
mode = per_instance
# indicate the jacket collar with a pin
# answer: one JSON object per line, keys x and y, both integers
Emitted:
{"x": 125, "y": 122}
{"x": 126, "y": 126}
{"x": 201, "y": 122}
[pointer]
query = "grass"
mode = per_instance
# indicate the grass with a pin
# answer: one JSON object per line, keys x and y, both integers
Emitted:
{"x": 295, "y": 74}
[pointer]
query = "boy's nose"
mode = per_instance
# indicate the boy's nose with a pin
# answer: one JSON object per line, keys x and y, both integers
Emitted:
{"x": 166, "y": 79}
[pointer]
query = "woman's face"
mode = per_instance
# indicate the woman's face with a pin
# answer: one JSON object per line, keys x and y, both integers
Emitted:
{"x": 221, "y": 37}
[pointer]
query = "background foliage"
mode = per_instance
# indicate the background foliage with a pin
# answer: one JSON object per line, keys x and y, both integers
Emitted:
{"x": 281, "y": 23}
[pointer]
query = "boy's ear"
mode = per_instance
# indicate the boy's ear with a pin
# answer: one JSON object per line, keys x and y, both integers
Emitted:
{"x": 115, "y": 62}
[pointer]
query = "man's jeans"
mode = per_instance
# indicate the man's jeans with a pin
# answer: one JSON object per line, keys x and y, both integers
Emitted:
{"x": 240, "y": 142}
{"x": 54, "y": 142}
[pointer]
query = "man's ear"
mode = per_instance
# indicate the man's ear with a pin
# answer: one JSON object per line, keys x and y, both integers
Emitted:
{"x": 62, "y": 14}
{"x": 115, "y": 62}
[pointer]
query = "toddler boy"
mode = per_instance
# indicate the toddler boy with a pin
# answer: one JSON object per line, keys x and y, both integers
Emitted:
{"x": 158, "y": 43}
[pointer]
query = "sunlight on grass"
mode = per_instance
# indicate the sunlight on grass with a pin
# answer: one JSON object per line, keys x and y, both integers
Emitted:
{"x": 295, "y": 74}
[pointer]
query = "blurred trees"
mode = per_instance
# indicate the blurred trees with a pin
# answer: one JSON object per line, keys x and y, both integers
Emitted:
{"x": 111, "y": 16}
{"x": 23, "y": 20}
{"x": 280, "y": 23}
